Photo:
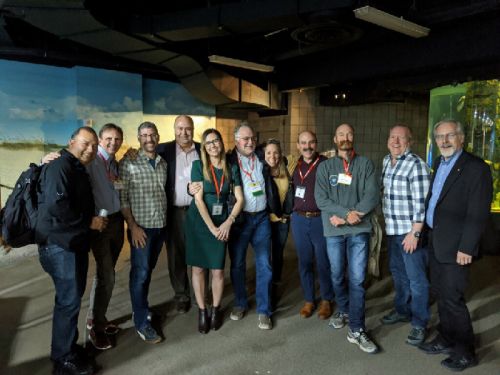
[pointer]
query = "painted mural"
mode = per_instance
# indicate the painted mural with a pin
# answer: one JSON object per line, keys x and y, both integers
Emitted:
{"x": 41, "y": 106}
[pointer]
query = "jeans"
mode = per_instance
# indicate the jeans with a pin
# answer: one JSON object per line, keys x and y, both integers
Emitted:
{"x": 409, "y": 273}
{"x": 279, "y": 235}
{"x": 143, "y": 261}
{"x": 352, "y": 249}
{"x": 106, "y": 247}
{"x": 310, "y": 244}
{"x": 68, "y": 270}
{"x": 255, "y": 230}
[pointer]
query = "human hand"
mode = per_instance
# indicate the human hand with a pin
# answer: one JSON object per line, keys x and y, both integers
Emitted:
{"x": 99, "y": 223}
{"x": 215, "y": 231}
{"x": 354, "y": 217}
{"x": 463, "y": 259}
{"x": 51, "y": 156}
{"x": 131, "y": 153}
{"x": 194, "y": 187}
{"x": 410, "y": 243}
{"x": 337, "y": 221}
{"x": 224, "y": 230}
{"x": 139, "y": 237}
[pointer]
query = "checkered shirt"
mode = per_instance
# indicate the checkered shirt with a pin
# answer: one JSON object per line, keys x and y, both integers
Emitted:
{"x": 144, "y": 190}
{"x": 405, "y": 187}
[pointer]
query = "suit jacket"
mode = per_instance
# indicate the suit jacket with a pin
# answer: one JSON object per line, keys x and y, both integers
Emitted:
{"x": 167, "y": 152}
{"x": 462, "y": 209}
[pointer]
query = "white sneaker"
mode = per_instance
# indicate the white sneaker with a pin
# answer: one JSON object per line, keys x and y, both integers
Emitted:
{"x": 265, "y": 322}
{"x": 362, "y": 339}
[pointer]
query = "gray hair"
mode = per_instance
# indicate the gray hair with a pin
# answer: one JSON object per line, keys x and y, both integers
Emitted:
{"x": 242, "y": 124}
{"x": 458, "y": 126}
{"x": 402, "y": 125}
{"x": 147, "y": 125}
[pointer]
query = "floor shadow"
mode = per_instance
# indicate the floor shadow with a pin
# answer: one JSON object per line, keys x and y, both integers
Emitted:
{"x": 12, "y": 311}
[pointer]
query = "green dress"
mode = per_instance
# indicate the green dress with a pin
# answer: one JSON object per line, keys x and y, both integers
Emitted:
{"x": 202, "y": 248}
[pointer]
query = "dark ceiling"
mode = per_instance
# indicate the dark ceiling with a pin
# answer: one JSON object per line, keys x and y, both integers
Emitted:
{"x": 310, "y": 43}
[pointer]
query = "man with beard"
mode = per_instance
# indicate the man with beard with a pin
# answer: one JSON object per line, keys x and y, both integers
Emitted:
{"x": 307, "y": 229}
{"x": 144, "y": 207}
{"x": 347, "y": 193}
{"x": 457, "y": 207}
{"x": 65, "y": 218}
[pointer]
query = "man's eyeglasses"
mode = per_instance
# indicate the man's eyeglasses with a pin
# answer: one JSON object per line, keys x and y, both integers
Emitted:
{"x": 450, "y": 136}
{"x": 146, "y": 136}
{"x": 216, "y": 141}
{"x": 248, "y": 139}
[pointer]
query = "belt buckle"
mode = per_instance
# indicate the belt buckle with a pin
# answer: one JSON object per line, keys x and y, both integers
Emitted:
{"x": 308, "y": 214}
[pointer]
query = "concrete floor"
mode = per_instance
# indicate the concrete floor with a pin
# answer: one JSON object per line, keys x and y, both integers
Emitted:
{"x": 294, "y": 346}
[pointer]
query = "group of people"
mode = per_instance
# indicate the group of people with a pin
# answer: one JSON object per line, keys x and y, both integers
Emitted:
{"x": 201, "y": 201}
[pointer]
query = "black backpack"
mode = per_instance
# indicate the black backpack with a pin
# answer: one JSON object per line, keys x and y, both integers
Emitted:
{"x": 18, "y": 217}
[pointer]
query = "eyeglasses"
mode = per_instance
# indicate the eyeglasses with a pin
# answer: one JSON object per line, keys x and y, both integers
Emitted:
{"x": 450, "y": 136}
{"x": 248, "y": 139}
{"x": 216, "y": 141}
{"x": 146, "y": 136}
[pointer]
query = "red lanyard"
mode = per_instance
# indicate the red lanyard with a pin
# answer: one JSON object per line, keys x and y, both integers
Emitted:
{"x": 107, "y": 165}
{"x": 311, "y": 167}
{"x": 218, "y": 187}
{"x": 346, "y": 164}
{"x": 252, "y": 167}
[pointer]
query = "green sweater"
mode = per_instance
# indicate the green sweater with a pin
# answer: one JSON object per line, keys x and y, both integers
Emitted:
{"x": 333, "y": 198}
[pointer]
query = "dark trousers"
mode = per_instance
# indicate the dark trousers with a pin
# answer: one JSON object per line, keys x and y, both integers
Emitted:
{"x": 455, "y": 327}
{"x": 106, "y": 247}
{"x": 279, "y": 235}
{"x": 176, "y": 254}
{"x": 68, "y": 270}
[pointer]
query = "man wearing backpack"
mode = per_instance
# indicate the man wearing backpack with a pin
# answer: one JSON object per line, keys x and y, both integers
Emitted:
{"x": 65, "y": 218}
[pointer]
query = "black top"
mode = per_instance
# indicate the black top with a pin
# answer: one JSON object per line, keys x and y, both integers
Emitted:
{"x": 65, "y": 204}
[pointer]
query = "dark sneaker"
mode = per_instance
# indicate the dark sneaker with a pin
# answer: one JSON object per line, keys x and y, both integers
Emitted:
{"x": 459, "y": 363}
{"x": 361, "y": 339}
{"x": 436, "y": 346}
{"x": 111, "y": 329}
{"x": 238, "y": 313}
{"x": 72, "y": 364}
{"x": 183, "y": 306}
{"x": 339, "y": 320}
{"x": 416, "y": 336}
{"x": 99, "y": 340}
{"x": 149, "y": 335}
{"x": 395, "y": 317}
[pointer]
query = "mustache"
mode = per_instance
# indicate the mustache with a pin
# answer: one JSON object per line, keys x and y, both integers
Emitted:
{"x": 345, "y": 143}
{"x": 307, "y": 150}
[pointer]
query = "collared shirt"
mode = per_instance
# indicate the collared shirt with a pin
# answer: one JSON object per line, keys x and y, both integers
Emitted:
{"x": 103, "y": 171}
{"x": 252, "y": 175}
{"x": 183, "y": 162}
{"x": 307, "y": 203}
{"x": 405, "y": 188}
{"x": 144, "y": 190}
{"x": 444, "y": 169}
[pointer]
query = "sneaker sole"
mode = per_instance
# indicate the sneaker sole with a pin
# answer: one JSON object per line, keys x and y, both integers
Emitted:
{"x": 265, "y": 327}
{"x": 354, "y": 341}
{"x": 336, "y": 326}
{"x": 100, "y": 348}
{"x": 236, "y": 317}
{"x": 414, "y": 342}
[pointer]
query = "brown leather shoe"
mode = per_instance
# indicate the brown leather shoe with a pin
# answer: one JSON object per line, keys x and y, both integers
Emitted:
{"x": 307, "y": 310}
{"x": 325, "y": 310}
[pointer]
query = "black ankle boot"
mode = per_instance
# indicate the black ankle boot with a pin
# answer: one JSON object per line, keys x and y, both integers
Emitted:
{"x": 203, "y": 321}
{"x": 216, "y": 318}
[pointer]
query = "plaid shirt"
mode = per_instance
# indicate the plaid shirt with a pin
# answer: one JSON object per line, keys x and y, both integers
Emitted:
{"x": 144, "y": 190}
{"x": 405, "y": 188}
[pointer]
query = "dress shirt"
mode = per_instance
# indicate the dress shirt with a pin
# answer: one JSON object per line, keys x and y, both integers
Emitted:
{"x": 308, "y": 203}
{"x": 252, "y": 203}
{"x": 444, "y": 169}
{"x": 183, "y": 162}
{"x": 144, "y": 190}
{"x": 405, "y": 188}
{"x": 103, "y": 171}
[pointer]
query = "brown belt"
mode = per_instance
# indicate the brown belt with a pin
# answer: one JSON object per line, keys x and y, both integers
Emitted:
{"x": 309, "y": 213}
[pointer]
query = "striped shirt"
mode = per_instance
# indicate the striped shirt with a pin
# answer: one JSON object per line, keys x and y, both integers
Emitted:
{"x": 144, "y": 190}
{"x": 405, "y": 188}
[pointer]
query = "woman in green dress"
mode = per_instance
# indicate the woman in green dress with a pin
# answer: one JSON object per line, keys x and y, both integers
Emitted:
{"x": 208, "y": 223}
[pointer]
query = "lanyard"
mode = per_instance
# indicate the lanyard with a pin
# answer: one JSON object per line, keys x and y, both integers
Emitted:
{"x": 252, "y": 167}
{"x": 218, "y": 187}
{"x": 107, "y": 165}
{"x": 311, "y": 167}
{"x": 346, "y": 164}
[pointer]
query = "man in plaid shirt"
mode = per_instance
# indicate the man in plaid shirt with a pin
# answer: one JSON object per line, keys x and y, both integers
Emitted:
{"x": 406, "y": 180}
{"x": 144, "y": 207}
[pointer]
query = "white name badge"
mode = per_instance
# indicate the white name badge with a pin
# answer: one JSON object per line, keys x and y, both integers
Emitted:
{"x": 345, "y": 179}
{"x": 255, "y": 189}
{"x": 300, "y": 192}
{"x": 217, "y": 209}
{"x": 118, "y": 185}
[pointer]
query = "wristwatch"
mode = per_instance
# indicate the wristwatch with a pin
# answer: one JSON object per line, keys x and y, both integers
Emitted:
{"x": 417, "y": 234}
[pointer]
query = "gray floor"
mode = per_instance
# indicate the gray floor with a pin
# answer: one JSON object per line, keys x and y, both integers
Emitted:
{"x": 294, "y": 346}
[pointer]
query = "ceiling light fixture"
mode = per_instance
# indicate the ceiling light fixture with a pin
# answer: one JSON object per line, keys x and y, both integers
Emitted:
{"x": 378, "y": 17}
{"x": 216, "y": 59}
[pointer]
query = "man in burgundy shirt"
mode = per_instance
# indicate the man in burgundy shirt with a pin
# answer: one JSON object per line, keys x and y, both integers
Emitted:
{"x": 307, "y": 229}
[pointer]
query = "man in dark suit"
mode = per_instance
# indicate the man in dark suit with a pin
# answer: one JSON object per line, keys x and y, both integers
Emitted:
{"x": 457, "y": 207}
{"x": 179, "y": 155}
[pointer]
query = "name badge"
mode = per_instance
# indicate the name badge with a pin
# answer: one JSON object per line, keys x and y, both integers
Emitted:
{"x": 345, "y": 179}
{"x": 118, "y": 184}
{"x": 300, "y": 192}
{"x": 217, "y": 209}
{"x": 255, "y": 189}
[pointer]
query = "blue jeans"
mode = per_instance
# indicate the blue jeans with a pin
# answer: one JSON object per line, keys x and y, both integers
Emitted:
{"x": 352, "y": 249}
{"x": 409, "y": 273}
{"x": 279, "y": 235}
{"x": 143, "y": 261}
{"x": 68, "y": 270}
{"x": 255, "y": 230}
{"x": 310, "y": 244}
